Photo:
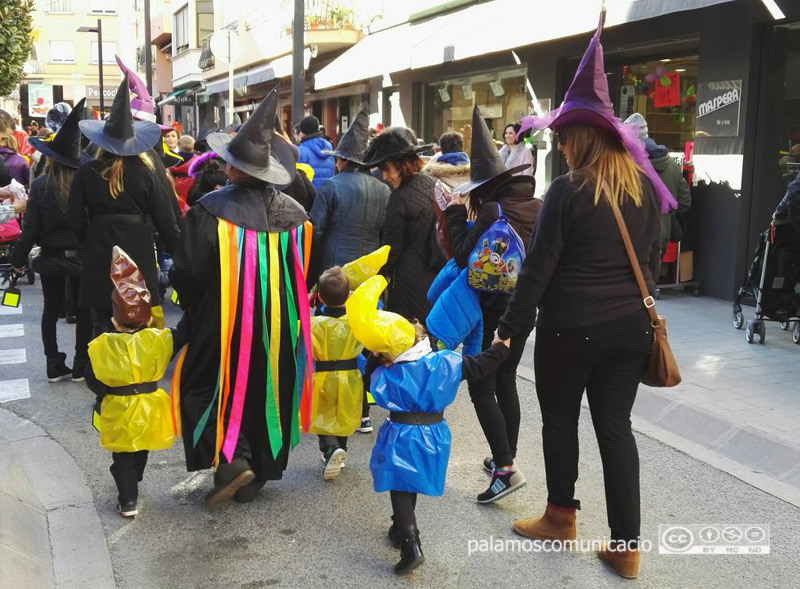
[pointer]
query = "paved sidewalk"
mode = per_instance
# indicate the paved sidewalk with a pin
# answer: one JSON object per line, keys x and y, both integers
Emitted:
{"x": 738, "y": 406}
{"x": 50, "y": 533}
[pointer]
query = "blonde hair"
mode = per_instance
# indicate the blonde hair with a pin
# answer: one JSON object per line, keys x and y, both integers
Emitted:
{"x": 11, "y": 142}
{"x": 598, "y": 158}
{"x": 114, "y": 172}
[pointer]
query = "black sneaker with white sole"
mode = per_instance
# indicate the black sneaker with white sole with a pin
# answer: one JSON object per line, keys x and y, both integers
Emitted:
{"x": 366, "y": 425}
{"x": 488, "y": 464}
{"x": 127, "y": 509}
{"x": 502, "y": 484}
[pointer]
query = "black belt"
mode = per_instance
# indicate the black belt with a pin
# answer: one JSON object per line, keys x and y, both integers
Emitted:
{"x": 415, "y": 417}
{"x": 114, "y": 217}
{"x": 332, "y": 365}
{"x": 138, "y": 388}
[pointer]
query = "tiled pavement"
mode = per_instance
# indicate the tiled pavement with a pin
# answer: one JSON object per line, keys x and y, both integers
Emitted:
{"x": 738, "y": 405}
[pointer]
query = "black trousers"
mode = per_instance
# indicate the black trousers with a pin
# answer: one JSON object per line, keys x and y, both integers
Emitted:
{"x": 606, "y": 361}
{"x": 53, "y": 292}
{"x": 495, "y": 397}
{"x": 128, "y": 471}
{"x": 101, "y": 321}
{"x": 403, "y": 506}
{"x": 326, "y": 442}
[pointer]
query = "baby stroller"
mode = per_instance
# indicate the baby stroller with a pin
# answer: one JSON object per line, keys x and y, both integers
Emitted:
{"x": 9, "y": 233}
{"x": 772, "y": 284}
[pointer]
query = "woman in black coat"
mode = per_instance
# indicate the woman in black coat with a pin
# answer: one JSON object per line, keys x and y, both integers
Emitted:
{"x": 495, "y": 397}
{"x": 59, "y": 260}
{"x": 409, "y": 222}
{"x": 110, "y": 201}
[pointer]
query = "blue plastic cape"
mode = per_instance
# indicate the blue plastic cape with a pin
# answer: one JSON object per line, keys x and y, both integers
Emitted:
{"x": 456, "y": 315}
{"x": 407, "y": 457}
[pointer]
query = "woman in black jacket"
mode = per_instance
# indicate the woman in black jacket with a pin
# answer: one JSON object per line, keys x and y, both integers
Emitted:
{"x": 495, "y": 397}
{"x": 408, "y": 223}
{"x": 110, "y": 201}
{"x": 59, "y": 259}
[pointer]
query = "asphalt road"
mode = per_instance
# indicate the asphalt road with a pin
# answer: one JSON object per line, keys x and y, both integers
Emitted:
{"x": 303, "y": 531}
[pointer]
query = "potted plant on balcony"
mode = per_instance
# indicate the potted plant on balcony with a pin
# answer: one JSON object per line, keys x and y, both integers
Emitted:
{"x": 342, "y": 17}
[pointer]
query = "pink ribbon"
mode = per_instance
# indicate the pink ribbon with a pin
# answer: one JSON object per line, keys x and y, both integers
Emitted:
{"x": 245, "y": 341}
{"x": 305, "y": 325}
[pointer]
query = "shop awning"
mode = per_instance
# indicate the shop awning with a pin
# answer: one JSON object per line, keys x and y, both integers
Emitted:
{"x": 221, "y": 84}
{"x": 466, "y": 36}
{"x": 386, "y": 51}
{"x": 277, "y": 68}
{"x": 466, "y": 33}
{"x": 171, "y": 97}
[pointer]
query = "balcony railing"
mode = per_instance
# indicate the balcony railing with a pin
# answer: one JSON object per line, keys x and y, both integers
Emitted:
{"x": 330, "y": 14}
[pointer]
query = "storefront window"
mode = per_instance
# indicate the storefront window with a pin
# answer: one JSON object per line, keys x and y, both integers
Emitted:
{"x": 664, "y": 92}
{"x": 501, "y": 97}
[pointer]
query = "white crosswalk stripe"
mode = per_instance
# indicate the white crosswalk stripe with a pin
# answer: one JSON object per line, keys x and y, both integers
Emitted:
{"x": 13, "y": 356}
{"x": 13, "y": 330}
{"x": 13, "y": 390}
{"x": 10, "y": 310}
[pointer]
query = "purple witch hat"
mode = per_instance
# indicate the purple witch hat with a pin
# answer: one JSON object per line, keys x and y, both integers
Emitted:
{"x": 587, "y": 102}
{"x": 143, "y": 107}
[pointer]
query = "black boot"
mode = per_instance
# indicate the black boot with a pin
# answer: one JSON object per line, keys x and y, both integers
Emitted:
{"x": 57, "y": 370}
{"x": 394, "y": 537}
{"x": 410, "y": 550}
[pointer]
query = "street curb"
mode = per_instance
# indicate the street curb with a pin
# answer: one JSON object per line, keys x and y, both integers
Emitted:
{"x": 51, "y": 532}
{"x": 755, "y": 457}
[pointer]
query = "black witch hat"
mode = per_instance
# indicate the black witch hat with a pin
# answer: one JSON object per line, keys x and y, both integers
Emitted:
{"x": 485, "y": 163}
{"x": 353, "y": 143}
{"x": 65, "y": 146}
{"x": 250, "y": 149}
{"x": 119, "y": 133}
{"x": 392, "y": 145}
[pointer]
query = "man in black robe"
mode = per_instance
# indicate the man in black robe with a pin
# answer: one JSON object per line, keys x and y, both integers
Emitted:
{"x": 239, "y": 274}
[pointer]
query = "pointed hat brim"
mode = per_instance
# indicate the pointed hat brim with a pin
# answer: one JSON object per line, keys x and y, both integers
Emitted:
{"x": 46, "y": 149}
{"x": 473, "y": 184}
{"x": 275, "y": 173}
{"x": 145, "y": 136}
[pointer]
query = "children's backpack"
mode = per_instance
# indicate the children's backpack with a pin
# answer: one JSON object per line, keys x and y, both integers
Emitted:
{"x": 496, "y": 261}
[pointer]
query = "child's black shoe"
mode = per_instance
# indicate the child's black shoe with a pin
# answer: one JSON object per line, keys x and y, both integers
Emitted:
{"x": 127, "y": 509}
{"x": 410, "y": 550}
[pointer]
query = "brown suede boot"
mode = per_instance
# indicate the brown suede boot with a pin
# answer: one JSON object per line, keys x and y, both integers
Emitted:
{"x": 557, "y": 523}
{"x": 228, "y": 479}
{"x": 625, "y": 562}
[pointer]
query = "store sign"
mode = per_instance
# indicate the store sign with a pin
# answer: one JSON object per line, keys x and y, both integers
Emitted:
{"x": 40, "y": 99}
{"x": 718, "y": 106}
{"x": 93, "y": 93}
{"x": 669, "y": 95}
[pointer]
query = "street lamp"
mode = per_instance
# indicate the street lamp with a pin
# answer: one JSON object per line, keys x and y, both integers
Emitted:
{"x": 99, "y": 30}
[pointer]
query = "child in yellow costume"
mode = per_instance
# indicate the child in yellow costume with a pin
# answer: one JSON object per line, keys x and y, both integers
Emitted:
{"x": 338, "y": 390}
{"x": 336, "y": 402}
{"x": 132, "y": 413}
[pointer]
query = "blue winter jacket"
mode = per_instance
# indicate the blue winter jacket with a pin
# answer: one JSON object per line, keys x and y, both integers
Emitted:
{"x": 311, "y": 154}
{"x": 407, "y": 457}
{"x": 456, "y": 315}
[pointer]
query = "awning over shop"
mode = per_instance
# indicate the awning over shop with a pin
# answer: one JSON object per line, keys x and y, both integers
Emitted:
{"x": 386, "y": 51}
{"x": 464, "y": 34}
{"x": 221, "y": 84}
{"x": 171, "y": 97}
{"x": 277, "y": 68}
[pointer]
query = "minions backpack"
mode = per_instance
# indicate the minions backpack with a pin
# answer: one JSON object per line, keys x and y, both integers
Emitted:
{"x": 497, "y": 258}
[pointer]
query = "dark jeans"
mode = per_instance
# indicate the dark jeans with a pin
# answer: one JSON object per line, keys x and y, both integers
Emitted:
{"x": 128, "y": 471}
{"x": 53, "y": 292}
{"x": 326, "y": 442}
{"x": 101, "y": 321}
{"x": 403, "y": 506}
{"x": 607, "y": 361}
{"x": 495, "y": 397}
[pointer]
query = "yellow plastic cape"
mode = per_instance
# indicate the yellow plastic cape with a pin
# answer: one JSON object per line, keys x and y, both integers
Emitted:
{"x": 365, "y": 267}
{"x": 129, "y": 423}
{"x": 379, "y": 331}
{"x": 309, "y": 171}
{"x": 337, "y": 394}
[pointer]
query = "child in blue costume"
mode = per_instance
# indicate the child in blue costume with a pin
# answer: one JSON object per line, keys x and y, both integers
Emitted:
{"x": 415, "y": 384}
